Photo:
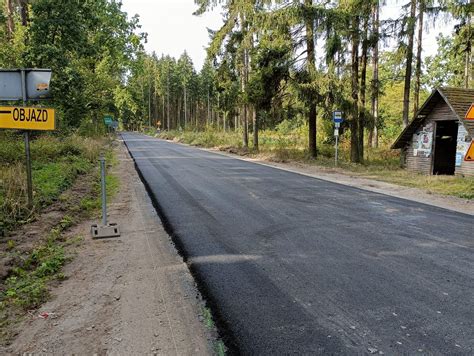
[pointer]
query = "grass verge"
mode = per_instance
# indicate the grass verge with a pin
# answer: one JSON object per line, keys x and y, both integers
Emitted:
{"x": 68, "y": 190}
{"x": 56, "y": 163}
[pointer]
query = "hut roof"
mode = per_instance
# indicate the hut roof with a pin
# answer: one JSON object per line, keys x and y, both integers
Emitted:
{"x": 459, "y": 101}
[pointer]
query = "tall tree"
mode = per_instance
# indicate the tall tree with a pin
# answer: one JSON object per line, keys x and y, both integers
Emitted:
{"x": 10, "y": 19}
{"x": 416, "y": 96}
{"x": 410, "y": 32}
{"x": 311, "y": 68}
{"x": 354, "y": 124}
{"x": 375, "y": 77}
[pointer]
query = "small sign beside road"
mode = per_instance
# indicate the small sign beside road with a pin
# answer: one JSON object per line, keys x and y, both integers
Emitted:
{"x": 337, "y": 119}
{"x": 24, "y": 84}
{"x": 469, "y": 157}
{"x": 337, "y": 116}
{"x": 108, "y": 120}
{"x": 27, "y": 118}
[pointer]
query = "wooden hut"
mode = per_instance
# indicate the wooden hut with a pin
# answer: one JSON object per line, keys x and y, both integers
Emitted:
{"x": 437, "y": 139}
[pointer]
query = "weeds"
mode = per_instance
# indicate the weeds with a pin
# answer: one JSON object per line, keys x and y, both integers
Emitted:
{"x": 57, "y": 162}
{"x": 26, "y": 287}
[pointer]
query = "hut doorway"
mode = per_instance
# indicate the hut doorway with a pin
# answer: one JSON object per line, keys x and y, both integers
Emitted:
{"x": 445, "y": 147}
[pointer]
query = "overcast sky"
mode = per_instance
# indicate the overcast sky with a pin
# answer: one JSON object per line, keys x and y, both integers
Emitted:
{"x": 172, "y": 27}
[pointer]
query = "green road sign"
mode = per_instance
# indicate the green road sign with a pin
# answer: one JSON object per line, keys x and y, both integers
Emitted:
{"x": 108, "y": 120}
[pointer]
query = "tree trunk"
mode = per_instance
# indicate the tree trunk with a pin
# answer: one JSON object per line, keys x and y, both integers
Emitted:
{"x": 311, "y": 67}
{"x": 10, "y": 20}
{"x": 416, "y": 98}
{"x": 149, "y": 105}
{"x": 24, "y": 12}
{"x": 185, "y": 109}
{"x": 409, "y": 58}
{"x": 168, "y": 102}
{"x": 355, "y": 155}
{"x": 375, "y": 80}
{"x": 255, "y": 129}
{"x": 244, "y": 81}
{"x": 363, "y": 86}
{"x": 467, "y": 65}
{"x": 208, "y": 108}
{"x": 245, "y": 124}
{"x": 163, "y": 113}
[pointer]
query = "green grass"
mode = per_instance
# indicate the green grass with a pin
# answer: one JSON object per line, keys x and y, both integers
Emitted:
{"x": 56, "y": 163}
{"x": 289, "y": 145}
{"x": 219, "y": 347}
{"x": 93, "y": 203}
{"x": 26, "y": 287}
{"x": 51, "y": 179}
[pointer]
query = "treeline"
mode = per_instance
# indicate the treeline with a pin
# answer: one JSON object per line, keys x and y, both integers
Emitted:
{"x": 272, "y": 63}
{"x": 297, "y": 61}
{"x": 91, "y": 47}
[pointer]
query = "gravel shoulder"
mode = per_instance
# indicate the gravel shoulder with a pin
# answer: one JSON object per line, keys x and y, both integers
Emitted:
{"x": 128, "y": 295}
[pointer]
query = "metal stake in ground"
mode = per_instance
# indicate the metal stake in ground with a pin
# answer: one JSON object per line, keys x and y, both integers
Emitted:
{"x": 29, "y": 180}
{"x": 104, "y": 190}
{"x": 104, "y": 230}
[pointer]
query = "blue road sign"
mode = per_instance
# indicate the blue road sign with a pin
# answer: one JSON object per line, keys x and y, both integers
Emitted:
{"x": 337, "y": 117}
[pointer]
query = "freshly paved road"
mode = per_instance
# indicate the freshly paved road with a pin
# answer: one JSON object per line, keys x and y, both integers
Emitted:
{"x": 299, "y": 265}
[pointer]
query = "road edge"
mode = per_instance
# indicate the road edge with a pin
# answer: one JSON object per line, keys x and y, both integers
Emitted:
{"x": 223, "y": 330}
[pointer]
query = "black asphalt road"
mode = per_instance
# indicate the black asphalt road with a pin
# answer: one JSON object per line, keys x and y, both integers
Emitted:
{"x": 297, "y": 265}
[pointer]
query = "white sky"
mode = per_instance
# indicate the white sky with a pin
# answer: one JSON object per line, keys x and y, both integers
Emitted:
{"x": 172, "y": 27}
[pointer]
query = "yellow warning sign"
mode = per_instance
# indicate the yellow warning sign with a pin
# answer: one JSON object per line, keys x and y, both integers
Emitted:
{"x": 469, "y": 157}
{"x": 470, "y": 113}
{"x": 23, "y": 118}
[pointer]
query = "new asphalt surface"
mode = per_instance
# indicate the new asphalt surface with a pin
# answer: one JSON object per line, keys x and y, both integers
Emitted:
{"x": 297, "y": 265}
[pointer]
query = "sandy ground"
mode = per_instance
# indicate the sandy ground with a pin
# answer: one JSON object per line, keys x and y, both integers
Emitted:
{"x": 127, "y": 295}
{"x": 342, "y": 177}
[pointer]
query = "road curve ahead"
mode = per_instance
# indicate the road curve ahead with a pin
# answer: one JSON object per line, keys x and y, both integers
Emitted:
{"x": 297, "y": 265}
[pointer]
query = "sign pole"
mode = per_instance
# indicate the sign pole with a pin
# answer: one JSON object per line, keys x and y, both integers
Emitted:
{"x": 337, "y": 119}
{"x": 29, "y": 180}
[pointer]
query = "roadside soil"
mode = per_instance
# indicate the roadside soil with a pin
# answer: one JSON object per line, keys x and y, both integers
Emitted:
{"x": 127, "y": 295}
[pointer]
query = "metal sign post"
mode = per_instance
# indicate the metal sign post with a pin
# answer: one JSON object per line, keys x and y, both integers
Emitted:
{"x": 336, "y": 134}
{"x": 104, "y": 191}
{"x": 105, "y": 230}
{"x": 29, "y": 179}
{"x": 337, "y": 119}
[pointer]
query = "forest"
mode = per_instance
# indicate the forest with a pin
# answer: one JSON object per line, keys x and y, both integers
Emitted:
{"x": 286, "y": 65}
{"x": 273, "y": 65}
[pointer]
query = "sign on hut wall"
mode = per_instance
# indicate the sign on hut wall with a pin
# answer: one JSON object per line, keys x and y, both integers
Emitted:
{"x": 423, "y": 141}
{"x": 464, "y": 141}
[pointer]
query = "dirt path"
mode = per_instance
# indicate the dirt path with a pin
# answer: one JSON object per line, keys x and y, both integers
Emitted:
{"x": 130, "y": 295}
